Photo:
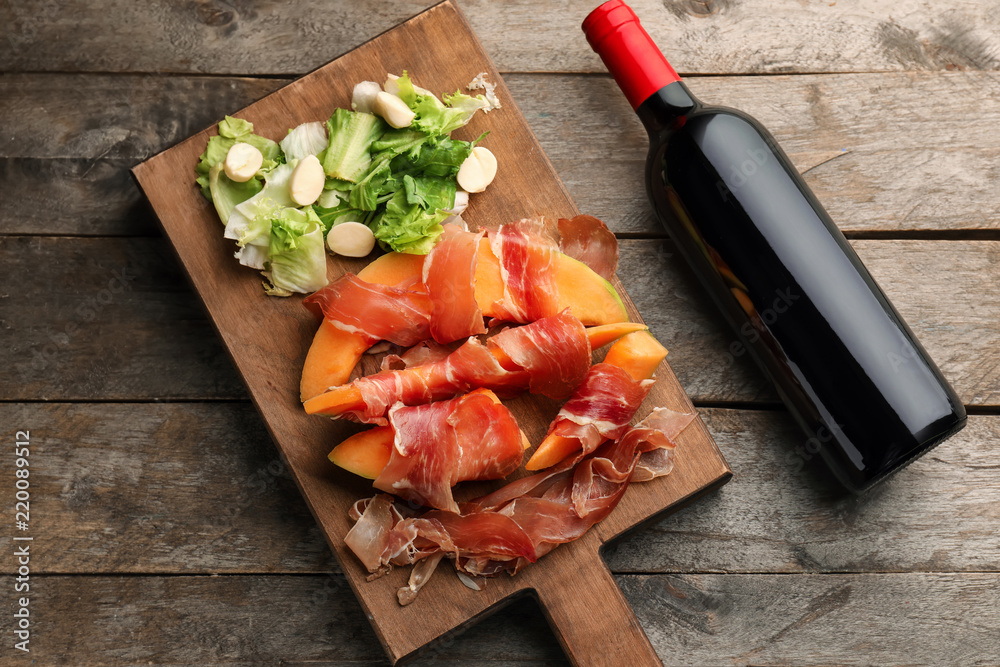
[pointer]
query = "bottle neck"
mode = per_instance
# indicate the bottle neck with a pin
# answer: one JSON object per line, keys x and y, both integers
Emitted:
{"x": 628, "y": 51}
{"x": 667, "y": 108}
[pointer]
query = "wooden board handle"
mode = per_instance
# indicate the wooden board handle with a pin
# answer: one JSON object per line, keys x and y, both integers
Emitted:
{"x": 593, "y": 621}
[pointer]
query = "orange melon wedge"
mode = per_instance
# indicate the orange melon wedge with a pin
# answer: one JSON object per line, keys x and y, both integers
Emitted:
{"x": 638, "y": 354}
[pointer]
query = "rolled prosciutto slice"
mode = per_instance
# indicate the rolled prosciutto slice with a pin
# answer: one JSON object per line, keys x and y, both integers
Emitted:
{"x": 548, "y": 357}
{"x": 517, "y": 524}
{"x": 438, "y": 445}
{"x": 601, "y": 407}
{"x": 528, "y": 254}
{"x": 450, "y": 278}
{"x": 377, "y": 312}
{"x": 527, "y": 251}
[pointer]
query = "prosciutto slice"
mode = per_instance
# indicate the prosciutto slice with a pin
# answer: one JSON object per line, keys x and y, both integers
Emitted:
{"x": 519, "y": 523}
{"x": 653, "y": 438}
{"x": 548, "y": 357}
{"x": 438, "y": 445}
{"x": 588, "y": 239}
{"x": 601, "y": 407}
{"x": 377, "y": 312}
{"x": 528, "y": 253}
{"x": 554, "y": 351}
{"x": 450, "y": 278}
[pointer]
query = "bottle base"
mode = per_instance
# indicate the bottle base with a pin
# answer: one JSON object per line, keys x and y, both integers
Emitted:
{"x": 916, "y": 453}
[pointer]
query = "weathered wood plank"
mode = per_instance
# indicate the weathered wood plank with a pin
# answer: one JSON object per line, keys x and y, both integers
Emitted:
{"x": 135, "y": 116}
{"x": 113, "y": 319}
{"x": 168, "y": 488}
{"x": 199, "y": 488}
{"x": 782, "y": 513}
{"x": 885, "y": 153}
{"x": 820, "y": 619}
{"x": 691, "y": 620}
{"x": 73, "y": 196}
{"x": 244, "y": 620}
{"x": 699, "y": 36}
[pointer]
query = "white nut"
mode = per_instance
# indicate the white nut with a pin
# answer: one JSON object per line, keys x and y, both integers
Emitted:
{"x": 242, "y": 162}
{"x": 350, "y": 239}
{"x": 307, "y": 181}
{"x": 461, "y": 203}
{"x": 391, "y": 86}
{"x": 363, "y": 97}
{"x": 478, "y": 170}
{"x": 393, "y": 110}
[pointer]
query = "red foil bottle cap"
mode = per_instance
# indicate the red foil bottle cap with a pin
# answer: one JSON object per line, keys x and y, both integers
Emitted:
{"x": 614, "y": 32}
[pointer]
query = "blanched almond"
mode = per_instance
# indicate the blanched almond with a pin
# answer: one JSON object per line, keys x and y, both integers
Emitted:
{"x": 461, "y": 202}
{"x": 478, "y": 170}
{"x": 242, "y": 162}
{"x": 350, "y": 239}
{"x": 393, "y": 110}
{"x": 363, "y": 97}
{"x": 307, "y": 181}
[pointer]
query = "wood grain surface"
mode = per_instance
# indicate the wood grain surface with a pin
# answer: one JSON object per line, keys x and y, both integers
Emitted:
{"x": 267, "y": 339}
{"x": 699, "y": 36}
{"x": 884, "y": 152}
{"x": 117, "y": 500}
{"x": 64, "y": 343}
{"x": 141, "y": 422}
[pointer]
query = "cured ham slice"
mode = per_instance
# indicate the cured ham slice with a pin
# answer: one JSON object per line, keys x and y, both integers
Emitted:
{"x": 653, "y": 438}
{"x": 377, "y": 312}
{"x": 588, "y": 239}
{"x": 519, "y": 523}
{"x": 449, "y": 276}
{"x": 604, "y": 403}
{"x": 420, "y": 354}
{"x": 554, "y": 351}
{"x": 549, "y": 357}
{"x": 601, "y": 407}
{"x": 469, "y": 367}
{"x": 438, "y": 445}
{"x": 528, "y": 254}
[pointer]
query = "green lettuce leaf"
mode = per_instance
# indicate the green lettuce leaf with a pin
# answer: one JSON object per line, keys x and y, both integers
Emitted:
{"x": 435, "y": 117}
{"x": 377, "y": 182}
{"x": 249, "y": 224}
{"x": 341, "y": 211}
{"x": 306, "y": 139}
{"x": 406, "y": 227}
{"x": 440, "y": 157}
{"x": 430, "y": 192}
{"x": 297, "y": 255}
{"x": 226, "y": 193}
{"x": 232, "y": 131}
{"x": 351, "y": 133}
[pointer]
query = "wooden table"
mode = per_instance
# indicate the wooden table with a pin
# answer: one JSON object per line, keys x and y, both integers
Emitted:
{"x": 166, "y": 529}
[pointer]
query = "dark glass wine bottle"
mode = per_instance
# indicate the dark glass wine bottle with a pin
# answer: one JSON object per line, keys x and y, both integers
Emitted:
{"x": 798, "y": 297}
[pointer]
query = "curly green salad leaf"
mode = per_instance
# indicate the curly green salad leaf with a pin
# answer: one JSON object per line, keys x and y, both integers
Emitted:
{"x": 399, "y": 182}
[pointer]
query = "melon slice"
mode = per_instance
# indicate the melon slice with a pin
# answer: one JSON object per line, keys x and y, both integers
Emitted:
{"x": 367, "y": 453}
{"x": 334, "y": 353}
{"x": 346, "y": 398}
{"x": 638, "y": 354}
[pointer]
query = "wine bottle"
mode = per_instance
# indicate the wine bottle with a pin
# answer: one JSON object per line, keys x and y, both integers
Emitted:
{"x": 850, "y": 371}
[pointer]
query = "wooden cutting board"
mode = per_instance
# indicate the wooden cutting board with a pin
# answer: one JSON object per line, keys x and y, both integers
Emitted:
{"x": 268, "y": 337}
